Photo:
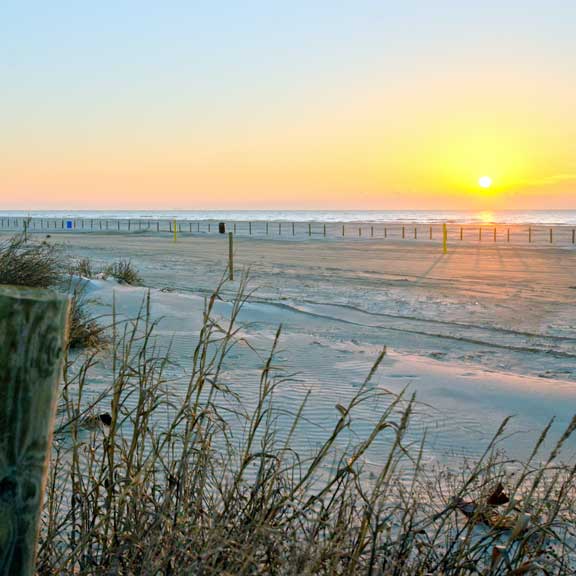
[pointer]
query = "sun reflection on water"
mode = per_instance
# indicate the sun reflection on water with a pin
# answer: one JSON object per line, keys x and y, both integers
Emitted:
{"x": 486, "y": 217}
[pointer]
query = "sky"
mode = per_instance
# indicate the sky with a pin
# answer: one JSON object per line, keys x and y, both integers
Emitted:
{"x": 307, "y": 104}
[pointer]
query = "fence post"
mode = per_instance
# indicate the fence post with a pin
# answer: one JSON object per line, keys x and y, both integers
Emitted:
{"x": 175, "y": 231}
{"x": 32, "y": 340}
{"x": 530, "y": 235}
{"x": 371, "y": 231}
{"x": 494, "y": 234}
{"x": 293, "y": 233}
{"x": 573, "y": 236}
{"x": 508, "y": 235}
{"x": 342, "y": 230}
{"x": 444, "y": 239}
{"x": 461, "y": 233}
{"x": 415, "y": 233}
{"x": 480, "y": 234}
{"x": 385, "y": 232}
{"x": 403, "y": 232}
{"x": 551, "y": 239}
{"x": 324, "y": 229}
{"x": 250, "y": 228}
{"x": 230, "y": 256}
{"x": 309, "y": 229}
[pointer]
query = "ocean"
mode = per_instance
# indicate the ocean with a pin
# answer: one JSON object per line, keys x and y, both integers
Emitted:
{"x": 548, "y": 217}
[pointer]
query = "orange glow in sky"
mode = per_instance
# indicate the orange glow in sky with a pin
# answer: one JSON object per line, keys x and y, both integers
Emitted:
{"x": 377, "y": 107}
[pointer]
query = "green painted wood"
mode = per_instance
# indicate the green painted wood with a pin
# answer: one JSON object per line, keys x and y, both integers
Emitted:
{"x": 32, "y": 338}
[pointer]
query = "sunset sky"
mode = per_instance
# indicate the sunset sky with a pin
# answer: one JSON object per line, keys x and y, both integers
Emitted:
{"x": 302, "y": 104}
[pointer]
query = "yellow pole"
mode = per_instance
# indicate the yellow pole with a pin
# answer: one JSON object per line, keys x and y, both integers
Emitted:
{"x": 175, "y": 233}
{"x": 444, "y": 239}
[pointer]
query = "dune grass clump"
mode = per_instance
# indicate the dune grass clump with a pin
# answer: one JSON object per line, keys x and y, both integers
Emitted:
{"x": 84, "y": 331}
{"x": 27, "y": 263}
{"x": 123, "y": 271}
{"x": 187, "y": 479}
{"x": 83, "y": 267}
{"x": 41, "y": 265}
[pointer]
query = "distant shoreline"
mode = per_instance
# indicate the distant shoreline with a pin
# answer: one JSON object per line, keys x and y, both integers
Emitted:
{"x": 463, "y": 217}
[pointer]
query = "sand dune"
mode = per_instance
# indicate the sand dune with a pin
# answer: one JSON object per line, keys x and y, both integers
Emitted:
{"x": 479, "y": 334}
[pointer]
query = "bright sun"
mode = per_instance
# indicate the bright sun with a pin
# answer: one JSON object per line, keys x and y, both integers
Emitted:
{"x": 485, "y": 181}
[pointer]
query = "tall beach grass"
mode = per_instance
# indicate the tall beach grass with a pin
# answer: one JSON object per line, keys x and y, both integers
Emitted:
{"x": 187, "y": 480}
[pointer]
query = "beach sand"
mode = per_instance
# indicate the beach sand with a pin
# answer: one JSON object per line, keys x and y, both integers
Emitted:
{"x": 480, "y": 333}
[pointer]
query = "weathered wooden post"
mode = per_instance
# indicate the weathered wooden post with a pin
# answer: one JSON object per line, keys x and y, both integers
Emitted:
{"x": 230, "y": 256}
{"x": 444, "y": 239}
{"x": 530, "y": 235}
{"x": 32, "y": 337}
{"x": 573, "y": 236}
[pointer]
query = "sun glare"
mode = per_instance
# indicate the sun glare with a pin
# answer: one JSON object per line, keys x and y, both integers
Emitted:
{"x": 485, "y": 181}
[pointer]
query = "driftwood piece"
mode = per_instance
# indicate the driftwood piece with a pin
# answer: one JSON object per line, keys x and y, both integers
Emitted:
{"x": 32, "y": 338}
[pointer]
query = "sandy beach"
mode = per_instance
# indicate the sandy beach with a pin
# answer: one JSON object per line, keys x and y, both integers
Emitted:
{"x": 481, "y": 333}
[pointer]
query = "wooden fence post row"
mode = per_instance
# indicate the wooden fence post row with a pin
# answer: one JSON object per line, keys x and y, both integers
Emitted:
{"x": 30, "y": 225}
{"x": 32, "y": 340}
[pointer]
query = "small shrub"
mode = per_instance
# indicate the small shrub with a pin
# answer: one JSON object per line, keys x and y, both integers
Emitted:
{"x": 25, "y": 263}
{"x": 124, "y": 271}
{"x": 83, "y": 267}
